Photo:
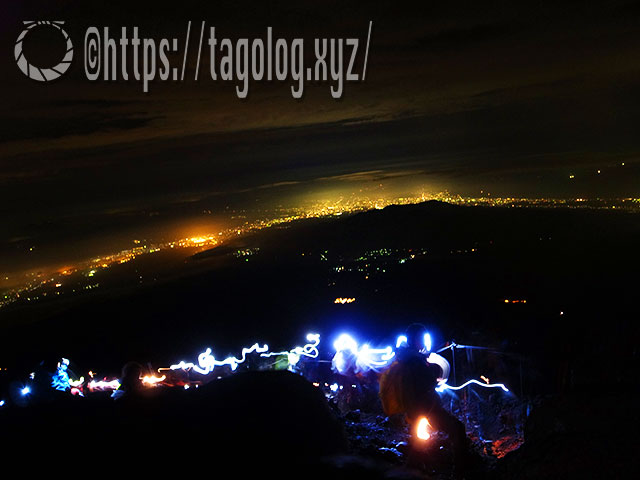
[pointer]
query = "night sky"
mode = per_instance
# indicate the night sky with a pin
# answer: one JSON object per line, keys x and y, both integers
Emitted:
{"x": 468, "y": 97}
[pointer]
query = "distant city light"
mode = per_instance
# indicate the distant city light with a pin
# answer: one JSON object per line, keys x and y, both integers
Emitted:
{"x": 36, "y": 286}
{"x": 342, "y": 300}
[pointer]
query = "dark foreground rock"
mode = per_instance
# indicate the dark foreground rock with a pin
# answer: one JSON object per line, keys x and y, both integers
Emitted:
{"x": 247, "y": 421}
{"x": 583, "y": 435}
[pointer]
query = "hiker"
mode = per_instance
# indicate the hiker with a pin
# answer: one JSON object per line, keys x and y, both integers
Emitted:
{"x": 408, "y": 386}
{"x": 130, "y": 381}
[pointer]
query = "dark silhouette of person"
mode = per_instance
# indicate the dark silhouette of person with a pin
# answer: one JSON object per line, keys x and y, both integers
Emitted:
{"x": 408, "y": 386}
{"x": 130, "y": 381}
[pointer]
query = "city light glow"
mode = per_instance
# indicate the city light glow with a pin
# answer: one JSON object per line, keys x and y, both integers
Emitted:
{"x": 35, "y": 287}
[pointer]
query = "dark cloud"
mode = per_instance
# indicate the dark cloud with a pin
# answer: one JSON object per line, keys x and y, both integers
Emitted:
{"x": 463, "y": 95}
{"x": 34, "y": 128}
{"x": 474, "y": 35}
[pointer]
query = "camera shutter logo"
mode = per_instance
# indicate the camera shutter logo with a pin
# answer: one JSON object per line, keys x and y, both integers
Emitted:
{"x": 43, "y": 74}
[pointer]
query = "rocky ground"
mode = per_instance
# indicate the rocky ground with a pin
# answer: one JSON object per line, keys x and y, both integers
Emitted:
{"x": 378, "y": 443}
{"x": 279, "y": 421}
{"x": 574, "y": 436}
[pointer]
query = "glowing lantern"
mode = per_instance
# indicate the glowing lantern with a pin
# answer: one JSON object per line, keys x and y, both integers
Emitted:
{"x": 152, "y": 380}
{"x": 423, "y": 429}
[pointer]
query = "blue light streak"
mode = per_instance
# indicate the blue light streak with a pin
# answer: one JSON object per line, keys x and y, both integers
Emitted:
{"x": 402, "y": 340}
{"x": 60, "y": 381}
{"x": 349, "y": 356}
{"x": 427, "y": 342}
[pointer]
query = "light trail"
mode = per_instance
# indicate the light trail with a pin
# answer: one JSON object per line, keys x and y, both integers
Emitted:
{"x": 293, "y": 356}
{"x": 443, "y": 387}
{"x": 207, "y": 362}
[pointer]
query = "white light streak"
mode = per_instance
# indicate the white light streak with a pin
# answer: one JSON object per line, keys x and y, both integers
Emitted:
{"x": 444, "y": 386}
{"x": 102, "y": 385}
{"x": 207, "y": 362}
{"x": 76, "y": 383}
{"x": 401, "y": 339}
{"x": 359, "y": 359}
{"x": 293, "y": 356}
{"x": 443, "y": 364}
{"x": 427, "y": 341}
